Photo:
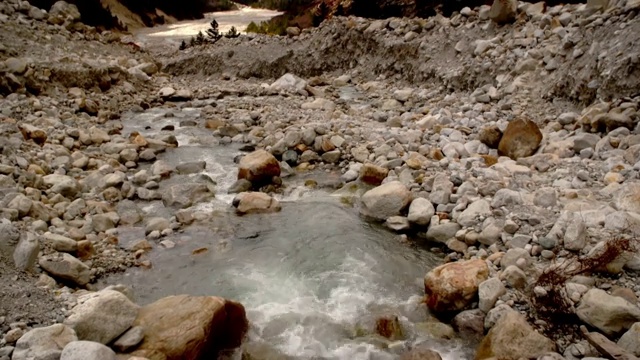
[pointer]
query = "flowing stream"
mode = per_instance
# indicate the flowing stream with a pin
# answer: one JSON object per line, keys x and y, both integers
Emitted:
{"x": 313, "y": 277}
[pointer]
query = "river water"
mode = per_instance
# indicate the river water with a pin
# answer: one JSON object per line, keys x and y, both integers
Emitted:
{"x": 312, "y": 277}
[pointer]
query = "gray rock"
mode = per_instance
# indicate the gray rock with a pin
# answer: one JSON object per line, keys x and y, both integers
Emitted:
{"x": 585, "y": 141}
{"x": 16, "y": 65}
{"x": 84, "y": 350}
{"x": 102, "y": 316}
{"x": 442, "y": 232}
{"x": 331, "y": 157}
{"x": 161, "y": 168}
{"x": 630, "y": 340}
{"x": 513, "y": 255}
{"x": 545, "y": 197}
{"x": 421, "y": 211}
{"x": 156, "y": 224}
{"x": 61, "y": 243}
{"x": 506, "y": 197}
{"x": 474, "y": 213}
{"x": 191, "y": 167}
{"x": 26, "y": 253}
{"x": 488, "y": 293}
{"x": 398, "y": 223}
{"x": 289, "y": 83}
{"x": 129, "y": 339}
{"x": 469, "y": 323}
{"x": 186, "y": 195}
{"x": 503, "y": 11}
{"x": 495, "y": 314}
{"x": 515, "y": 277}
{"x": 239, "y": 186}
{"x": 491, "y": 232}
{"x": 43, "y": 343}
{"x": 441, "y": 191}
{"x": 66, "y": 267}
{"x": 104, "y": 222}
{"x": 9, "y": 235}
{"x": 129, "y": 212}
{"x": 610, "y": 314}
{"x": 385, "y": 200}
{"x": 61, "y": 184}
{"x": 575, "y": 238}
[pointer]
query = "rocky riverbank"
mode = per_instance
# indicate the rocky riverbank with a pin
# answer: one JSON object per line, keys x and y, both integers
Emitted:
{"x": 512, "y": 149}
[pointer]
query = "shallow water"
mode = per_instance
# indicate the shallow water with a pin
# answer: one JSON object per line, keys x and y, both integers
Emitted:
{"x": 309, "y": 276}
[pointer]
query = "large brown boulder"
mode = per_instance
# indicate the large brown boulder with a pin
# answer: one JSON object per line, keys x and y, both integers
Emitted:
{"x": 190, "y": 327}
{"x": 504, "y": 11}
{"x": 259, "y": 167}
{"x": 513, "y": 338}
{"x": 521, "y": 139}
{"x": 454, "y": 286}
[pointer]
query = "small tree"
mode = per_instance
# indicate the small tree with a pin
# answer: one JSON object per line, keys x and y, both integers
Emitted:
{"x": 213, "y": 32}
{"x": 183, "y": 45}
{"x": 200, "y": 38}
{"x": 233, "y": 33}
{"x": 193, "y": 41}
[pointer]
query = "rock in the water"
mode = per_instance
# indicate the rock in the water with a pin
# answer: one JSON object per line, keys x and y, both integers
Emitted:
{"x": 189, "y": 327}
{"x": 503, "y": 11}
{"x": 44, "y": 343}
{"x": 84, "y": 350}
{"x": 442, "y": 232}
{"x": 255, "y": 202}
{"x": 521, "y": 138}
{"x": 610, "y": 314}
{"x": 373, "y": 174}
{"x": 66, "y": 267}
{"x": 454, "y": 286}
{"x": 513, "y": 338}
{"x": 421, "y": 354}
{"x": 469, "y": 323}
{"x": 421, "y": 211}
{"x": 259, "y": 167}
{"x": 102, "y": 316}
{"x": 385, "y": 200}
{"x": 186, "y": 195}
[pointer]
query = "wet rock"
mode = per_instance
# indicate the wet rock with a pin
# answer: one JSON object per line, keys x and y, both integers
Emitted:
{"x": 191, "y": 167}
{"x": 372, "y": 174}
{"x": 161, "y": 168}
{"x": 397, "y": 223}
{"x": 385, "y": 200}
{"x": 389, "y": 327}
{"x": 128, "y": 212}
{"x": 66, "y": 267}
{"x": 43, "y": 343}
{"x": 258, "y": 167}
{"x": 607, "y": 313}
{"x": 521, "y": 138}
{"x": 436, "y": 329}
{"x": 156, "y": 224}
{"x": 189, "y": 327}
{"x": 186, "y": 195}
{"x": 421, "y": 211}
{"x": 421, "y": 354}
{"x": 469, "y": 323}
{"x": 255, "y": 202}
{"x": 239, "y": 186}
{"x": 102, "y": 316}
{"x": 83, "y": 350}
{"x": 454, "y": 286}
{"x": 512, "y": 338}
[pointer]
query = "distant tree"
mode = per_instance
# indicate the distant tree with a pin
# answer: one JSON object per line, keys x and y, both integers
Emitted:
{"x": 233, "y": 33}
{"x": 200, "y": 38}
{"x": 193, "y": 41}
{"x": 213, "y": 32}
{"x": 183, "y": 45}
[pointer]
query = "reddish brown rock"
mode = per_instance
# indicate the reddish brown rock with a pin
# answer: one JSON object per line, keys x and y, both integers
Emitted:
{"x": 373, "y": 174}
{"x": 190, "y": 327}
{"x": 521, "y": 139}
{"x": 259, "y": 167}
{"x": 454, "y": 286}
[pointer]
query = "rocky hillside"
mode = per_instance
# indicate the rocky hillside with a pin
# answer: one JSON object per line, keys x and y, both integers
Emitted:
{"x": 503, "y": 137}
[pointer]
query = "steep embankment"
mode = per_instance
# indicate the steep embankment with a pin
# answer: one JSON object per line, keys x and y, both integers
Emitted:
{"x": 589, "y": 57}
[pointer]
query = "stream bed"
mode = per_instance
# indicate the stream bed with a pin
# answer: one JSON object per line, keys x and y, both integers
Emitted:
{"x": 313, "y": 277}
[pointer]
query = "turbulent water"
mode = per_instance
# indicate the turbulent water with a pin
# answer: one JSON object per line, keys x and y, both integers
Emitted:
{"x": 312, "y": 278}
